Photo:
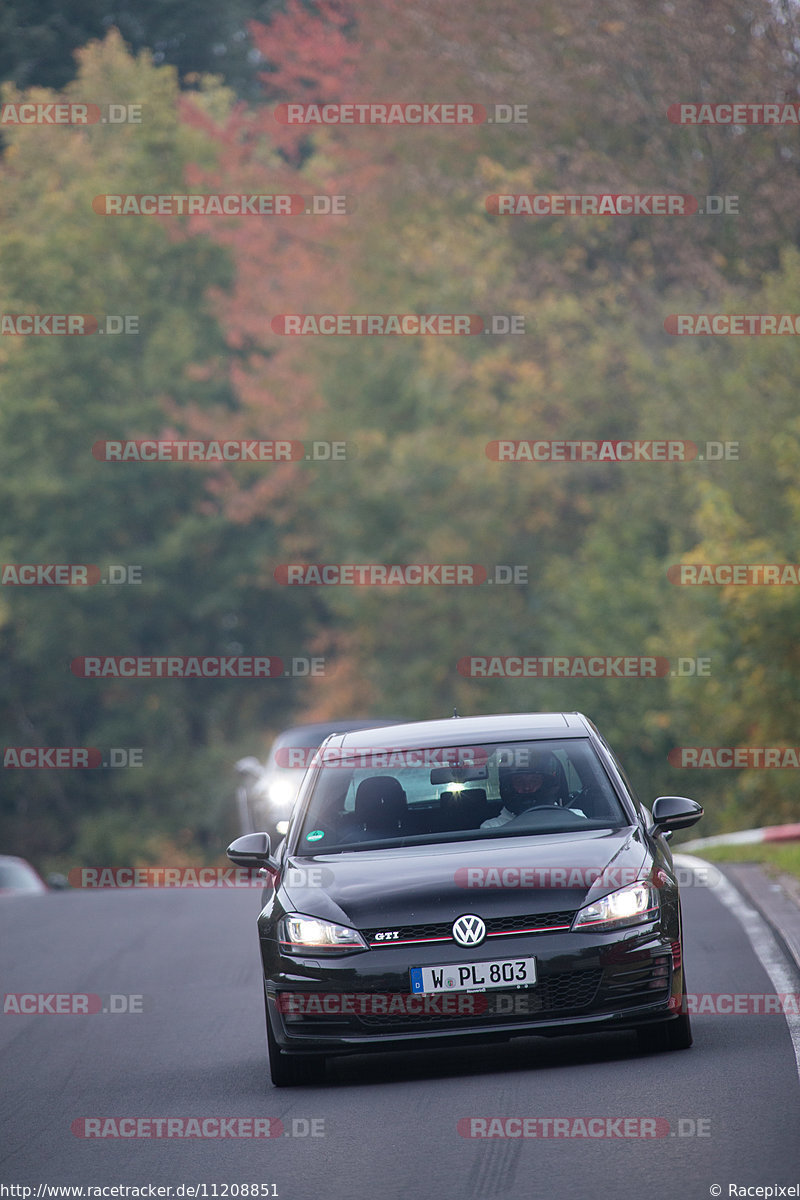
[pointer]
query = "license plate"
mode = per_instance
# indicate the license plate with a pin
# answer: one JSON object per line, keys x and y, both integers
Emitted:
{"x": 465, "y": 977}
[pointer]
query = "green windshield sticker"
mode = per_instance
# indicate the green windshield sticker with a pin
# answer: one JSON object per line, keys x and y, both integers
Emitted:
{"x": 315, "y": 835}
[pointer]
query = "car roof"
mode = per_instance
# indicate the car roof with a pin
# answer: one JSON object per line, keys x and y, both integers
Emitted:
{"x": 321, "y": 729}
{"x": 464, "y": 731}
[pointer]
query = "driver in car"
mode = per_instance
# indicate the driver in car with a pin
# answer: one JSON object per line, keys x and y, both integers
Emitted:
{"x": 525, "y": 788}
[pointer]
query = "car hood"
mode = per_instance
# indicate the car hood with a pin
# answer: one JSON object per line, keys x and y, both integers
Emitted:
{"x": 433, "y": 883}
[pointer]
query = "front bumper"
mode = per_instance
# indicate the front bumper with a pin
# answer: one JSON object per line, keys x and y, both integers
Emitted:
{"x": 585, "y": 983}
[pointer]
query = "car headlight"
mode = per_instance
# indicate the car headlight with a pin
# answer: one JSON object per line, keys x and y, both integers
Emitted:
{"x": 310, "y": 935}
{"x": 628, "y": 906}
{"x": 278, "y": 791}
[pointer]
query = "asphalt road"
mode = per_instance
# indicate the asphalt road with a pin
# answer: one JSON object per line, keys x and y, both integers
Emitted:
{"x": 385, "y": 1126}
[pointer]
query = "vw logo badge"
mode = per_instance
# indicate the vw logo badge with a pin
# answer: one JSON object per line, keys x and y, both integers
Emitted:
{"x": 469, "y": 930}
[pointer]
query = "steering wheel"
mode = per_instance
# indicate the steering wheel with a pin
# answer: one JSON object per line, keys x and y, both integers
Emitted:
{"x": 530, "y": 815}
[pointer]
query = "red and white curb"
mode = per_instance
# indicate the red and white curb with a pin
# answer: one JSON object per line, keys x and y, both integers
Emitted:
{"x": 745, "y": 837}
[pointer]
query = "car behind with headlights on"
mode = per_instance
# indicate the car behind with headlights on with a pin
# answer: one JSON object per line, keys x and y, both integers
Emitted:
{"x": 18, "y": 877}
{"x": 471, "y": 879}
{"x": 266, "y": 797}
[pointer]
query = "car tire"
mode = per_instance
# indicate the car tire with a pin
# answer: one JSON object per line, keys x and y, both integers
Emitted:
{"x": 667, "y": 1035}
{"x": 292, "y": 1070}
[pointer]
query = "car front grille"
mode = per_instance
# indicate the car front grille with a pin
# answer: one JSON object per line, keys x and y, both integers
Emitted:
{"x": 560, "y": 993}
{"x": 442, "y": 931}
{"x": 564, "y": 993}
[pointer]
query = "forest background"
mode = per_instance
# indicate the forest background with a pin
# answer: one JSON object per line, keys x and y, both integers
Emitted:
{"x": 416, "y": 485}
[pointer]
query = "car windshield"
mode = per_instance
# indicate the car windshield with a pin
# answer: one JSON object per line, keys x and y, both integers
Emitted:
{"x": 374, "y": 798}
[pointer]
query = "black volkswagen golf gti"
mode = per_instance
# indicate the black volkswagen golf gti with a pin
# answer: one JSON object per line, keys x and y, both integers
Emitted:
{"x": 476, "y": 878}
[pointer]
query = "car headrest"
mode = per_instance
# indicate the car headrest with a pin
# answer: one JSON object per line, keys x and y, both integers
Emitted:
{"x": 380, "y": 802}
{"x": 469, "y": 805}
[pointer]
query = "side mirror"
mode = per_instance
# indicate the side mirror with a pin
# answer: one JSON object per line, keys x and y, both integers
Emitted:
{"x": 57, "y": 882}
{"x": 674, "y": 812}
{"x": 253, "y": 850}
